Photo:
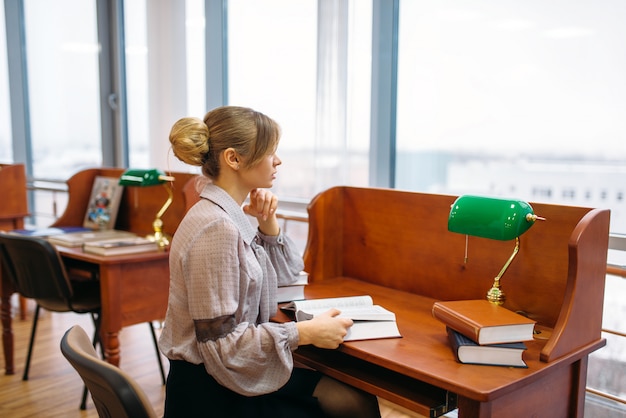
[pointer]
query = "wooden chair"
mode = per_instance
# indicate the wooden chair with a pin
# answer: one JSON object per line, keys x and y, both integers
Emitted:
{"x": 114, "y": 392}
{"x": 38, "y": 273}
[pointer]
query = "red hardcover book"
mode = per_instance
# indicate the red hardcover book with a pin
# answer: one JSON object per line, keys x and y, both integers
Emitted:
{"x": 484, "y": 322}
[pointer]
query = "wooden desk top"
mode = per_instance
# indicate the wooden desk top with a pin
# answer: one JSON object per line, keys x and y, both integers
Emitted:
{"x": 77, "y": 253}
{"x": 423, "y": 353}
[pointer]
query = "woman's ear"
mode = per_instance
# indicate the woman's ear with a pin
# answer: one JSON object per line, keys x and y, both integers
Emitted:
{"x": 231, "y": 158}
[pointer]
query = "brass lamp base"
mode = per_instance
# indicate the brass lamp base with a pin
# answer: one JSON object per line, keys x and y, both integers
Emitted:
{"x": 163, "y": 240}
{"x": 496, "y": 294}
{"x": 159, "y": 236}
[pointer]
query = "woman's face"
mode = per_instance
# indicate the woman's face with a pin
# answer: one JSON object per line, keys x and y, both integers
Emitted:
{"x": 263, "y": 174}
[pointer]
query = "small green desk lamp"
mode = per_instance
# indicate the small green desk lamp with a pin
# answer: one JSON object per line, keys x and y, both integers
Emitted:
{"x": 495, "y": 218}
{"x": 146, "y": 178}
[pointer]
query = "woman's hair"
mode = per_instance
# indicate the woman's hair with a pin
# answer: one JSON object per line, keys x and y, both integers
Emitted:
{"x": 251, "y": 134}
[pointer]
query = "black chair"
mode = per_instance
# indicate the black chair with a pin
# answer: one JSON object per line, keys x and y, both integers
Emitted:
{"x": 114, "y": 392}
{"x": 38, "y": 273}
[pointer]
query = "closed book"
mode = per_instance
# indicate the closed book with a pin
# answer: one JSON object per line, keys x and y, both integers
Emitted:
{"x": 50, "y": 231}
{"x": 484, "y": 322}
{"x": 293, "y": 291}
{"x": 468, "y": 352}
{"x": 119, "y": 246}
{"x": 76, "y": 239}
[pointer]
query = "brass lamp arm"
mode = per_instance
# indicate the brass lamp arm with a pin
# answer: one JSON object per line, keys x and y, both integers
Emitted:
{"x": 508, "y": 262}
{"x": 168, "y": 202}
{"x": 495, "y": 294}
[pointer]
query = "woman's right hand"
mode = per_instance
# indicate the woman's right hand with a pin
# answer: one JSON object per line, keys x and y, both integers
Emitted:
{"x": 324, "y": 331}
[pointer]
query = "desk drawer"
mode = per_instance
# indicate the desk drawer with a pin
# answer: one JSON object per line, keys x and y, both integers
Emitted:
{"x": 418, "y": 396}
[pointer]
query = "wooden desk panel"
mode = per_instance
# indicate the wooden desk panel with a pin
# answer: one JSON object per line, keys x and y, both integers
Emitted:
{"x": 134, "y": 288}
{"x": 395, "y": 246}
{"x": 419, "y": 371}
{"x": 14, "y": 202}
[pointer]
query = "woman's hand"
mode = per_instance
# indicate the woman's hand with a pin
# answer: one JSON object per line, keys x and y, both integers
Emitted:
{"x": 263, "y": 205}
{"x": 324, "y": 331}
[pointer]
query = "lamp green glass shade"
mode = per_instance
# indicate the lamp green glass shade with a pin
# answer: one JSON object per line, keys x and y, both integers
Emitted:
{"x": 143, "y": 178}
{"x": 488, "y": 217}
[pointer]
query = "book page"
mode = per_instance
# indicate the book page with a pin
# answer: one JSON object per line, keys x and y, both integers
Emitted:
{"x": 357, "y": 308}
{"x": 325, "y": 304}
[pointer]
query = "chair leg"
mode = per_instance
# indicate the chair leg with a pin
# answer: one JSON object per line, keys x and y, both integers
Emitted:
{"x": 158, "y": 353}
{"x": 31, "y": 343}
{"x": 95, "y": 317}
{"x": 83, "y": 401}
{"x": 95, "y": 340}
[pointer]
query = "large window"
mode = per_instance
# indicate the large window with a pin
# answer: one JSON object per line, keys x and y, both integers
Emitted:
{"x": 6, "y": 145}
{"x": 306, "y": 64}
{"x": 63, "y": 79}
{"x": 165, "y": 72}
{"x": 514, "y": 98}
{"x": 136, "y": 60}
{"x": 520, "y": 99}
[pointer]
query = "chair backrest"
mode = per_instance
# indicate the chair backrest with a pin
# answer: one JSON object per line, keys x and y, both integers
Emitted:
{"x": 35, "y": 267}
{"x": 114, "y": 393}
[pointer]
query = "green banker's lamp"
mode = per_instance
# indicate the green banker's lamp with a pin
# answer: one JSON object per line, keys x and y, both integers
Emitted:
{"x": 494, "y": 218}
{"x": 146, "y": 178}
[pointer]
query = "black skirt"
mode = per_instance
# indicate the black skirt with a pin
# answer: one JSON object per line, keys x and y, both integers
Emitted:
{"x": 192, "y": 392}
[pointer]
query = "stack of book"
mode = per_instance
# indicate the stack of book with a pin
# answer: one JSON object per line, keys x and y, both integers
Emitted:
{"x": 78, "y": 239}
{"x": 120, "y": 246}
{"x": 293, "y": 291}
{"x": 481, "y": 332}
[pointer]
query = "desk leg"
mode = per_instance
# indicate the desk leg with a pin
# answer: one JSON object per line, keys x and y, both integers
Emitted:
{"x": 469, "y": 408}
{"x": 7, "y": 329}
{"x": 111, "y": 317}
{"x": 557, "y": 394}
{"x": 111, "y": 344}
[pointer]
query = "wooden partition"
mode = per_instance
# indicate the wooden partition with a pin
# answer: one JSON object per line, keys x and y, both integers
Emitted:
{"x": 138, "y": 206}
{"x": 14, "y": 205}
{"x": 396, "y": 246}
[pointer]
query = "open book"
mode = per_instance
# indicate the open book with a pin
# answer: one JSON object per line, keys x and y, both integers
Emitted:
{"x": 370, "y": 321}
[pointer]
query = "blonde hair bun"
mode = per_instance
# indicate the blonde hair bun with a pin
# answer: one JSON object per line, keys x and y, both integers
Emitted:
{"x": 190, "y": 140}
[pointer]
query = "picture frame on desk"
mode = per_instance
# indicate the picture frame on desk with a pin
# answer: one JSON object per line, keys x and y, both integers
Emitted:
{"x": 104, "y": 203}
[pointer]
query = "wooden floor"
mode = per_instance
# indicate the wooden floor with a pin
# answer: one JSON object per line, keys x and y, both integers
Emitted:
{"x": 54, "y": 388}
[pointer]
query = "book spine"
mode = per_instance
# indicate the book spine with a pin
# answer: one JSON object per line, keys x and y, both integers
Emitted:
{"x": 454, "y": 343}
{"x": 457, "y": 323}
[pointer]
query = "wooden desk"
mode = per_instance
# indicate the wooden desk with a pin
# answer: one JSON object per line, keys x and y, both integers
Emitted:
{"x": 12, "y": 212}
{"x": 395, "y": 246}
{"x": 134, "y": 287}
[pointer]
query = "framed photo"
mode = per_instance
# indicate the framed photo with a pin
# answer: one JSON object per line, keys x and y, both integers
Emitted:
{"x": 104, "y": 203}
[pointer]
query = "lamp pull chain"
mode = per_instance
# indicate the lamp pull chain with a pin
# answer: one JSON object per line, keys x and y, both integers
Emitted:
{"x": 466, "y": 245}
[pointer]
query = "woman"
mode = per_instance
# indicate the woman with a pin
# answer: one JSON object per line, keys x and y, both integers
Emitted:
{"x": 226, "y": 358}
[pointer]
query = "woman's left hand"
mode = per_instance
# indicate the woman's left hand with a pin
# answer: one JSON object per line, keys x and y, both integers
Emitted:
{"x": 263, "y": 205}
